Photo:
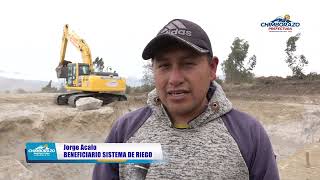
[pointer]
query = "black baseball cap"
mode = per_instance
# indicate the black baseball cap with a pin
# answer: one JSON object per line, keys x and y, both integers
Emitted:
{"x": 179, "y": 31}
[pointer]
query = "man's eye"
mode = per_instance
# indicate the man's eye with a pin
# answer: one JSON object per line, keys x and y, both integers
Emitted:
{"x": 190, "y": 64}
{"x": 163, "y": 65}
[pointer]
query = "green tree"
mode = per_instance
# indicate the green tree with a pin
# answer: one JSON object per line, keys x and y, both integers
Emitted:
{"x": 234, "y": 67}
{"x": 98, "y": 64}
{"x": 295, "y": 62}
{"x": 147, "y": 79}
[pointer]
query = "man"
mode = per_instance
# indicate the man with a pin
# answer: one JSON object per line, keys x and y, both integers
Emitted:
{"x": 202, "y": 136}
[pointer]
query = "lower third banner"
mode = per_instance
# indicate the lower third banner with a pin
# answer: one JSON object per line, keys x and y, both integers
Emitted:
{"x": 50, "y": 152}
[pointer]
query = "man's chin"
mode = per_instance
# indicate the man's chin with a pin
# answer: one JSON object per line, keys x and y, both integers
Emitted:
{"x": 178, "y": 109}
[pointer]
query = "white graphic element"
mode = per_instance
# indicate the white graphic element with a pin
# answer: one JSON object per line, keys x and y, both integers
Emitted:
{"x": 176, "y": 28}
{"x": 41, "y": 149}
{"x": 112, "y": 84}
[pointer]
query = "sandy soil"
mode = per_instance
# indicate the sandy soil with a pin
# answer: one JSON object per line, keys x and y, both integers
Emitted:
{"x": 34, "y": 117}
{"x": 292, "y": 122}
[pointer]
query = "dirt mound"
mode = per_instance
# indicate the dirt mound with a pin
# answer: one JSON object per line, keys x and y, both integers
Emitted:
{"x": 26, "y": 118}
{"x": 276, "y": 86}
{"x": 13, "y": 169}
{"x": 289, "y": 125}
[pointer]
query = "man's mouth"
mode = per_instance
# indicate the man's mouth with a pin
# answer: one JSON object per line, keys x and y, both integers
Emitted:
{"x": 176, "y": 93}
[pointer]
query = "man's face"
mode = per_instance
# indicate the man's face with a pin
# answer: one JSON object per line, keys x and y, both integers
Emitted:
{"x": 182, "y": 79}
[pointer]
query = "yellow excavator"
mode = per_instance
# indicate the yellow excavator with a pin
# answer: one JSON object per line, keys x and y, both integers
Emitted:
{"x": 82, "y": 80}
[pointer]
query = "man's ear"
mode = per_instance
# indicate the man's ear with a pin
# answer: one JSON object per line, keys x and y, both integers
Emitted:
{"x": 213, "y": 67}
{"x": 215, "y": 59}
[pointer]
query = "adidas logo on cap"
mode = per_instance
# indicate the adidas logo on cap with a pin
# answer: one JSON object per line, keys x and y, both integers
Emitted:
{"x": 179, "y": 31}
{"x": 176, "y": 28}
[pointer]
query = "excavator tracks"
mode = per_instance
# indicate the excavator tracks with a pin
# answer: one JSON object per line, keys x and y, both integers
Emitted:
{"x": 71, "y": 98}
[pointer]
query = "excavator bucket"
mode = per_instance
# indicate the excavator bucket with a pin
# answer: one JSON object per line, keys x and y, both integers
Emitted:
{"x": 62, "y": 69}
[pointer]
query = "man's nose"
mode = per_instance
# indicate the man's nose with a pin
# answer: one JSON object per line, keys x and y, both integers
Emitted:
{"x": 176, "y": 77}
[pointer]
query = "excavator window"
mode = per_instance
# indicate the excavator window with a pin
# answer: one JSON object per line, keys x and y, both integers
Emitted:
{"x": 71, "y": 74}
{"x": 83, "y": 69}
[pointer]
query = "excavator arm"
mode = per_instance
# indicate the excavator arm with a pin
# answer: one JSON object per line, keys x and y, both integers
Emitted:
{"x": 80, "y": 44}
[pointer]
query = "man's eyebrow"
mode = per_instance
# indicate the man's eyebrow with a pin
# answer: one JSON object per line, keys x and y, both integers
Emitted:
{"x": 161, "y": 58}
{"x": 189, "y": 55}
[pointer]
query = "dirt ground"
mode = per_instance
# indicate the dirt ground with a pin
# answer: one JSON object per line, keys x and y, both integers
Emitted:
{"x": 292, "y": 122}
{"x": 34, "y": 117}
{"x": 290, "y": 113}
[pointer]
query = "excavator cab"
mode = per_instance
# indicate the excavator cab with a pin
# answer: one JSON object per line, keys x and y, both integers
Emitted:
{"x": 75, "y": 72}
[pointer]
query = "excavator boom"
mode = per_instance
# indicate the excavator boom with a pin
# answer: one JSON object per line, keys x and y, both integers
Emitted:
{"x": 79, "y": 43}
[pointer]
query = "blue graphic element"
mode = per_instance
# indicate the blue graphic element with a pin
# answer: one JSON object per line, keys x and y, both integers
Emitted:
{"x": 39, "y": 151}
{"x": 280, "y": 19}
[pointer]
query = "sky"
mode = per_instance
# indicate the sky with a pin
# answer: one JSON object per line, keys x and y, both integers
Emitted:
{"x": 118, "y": 31}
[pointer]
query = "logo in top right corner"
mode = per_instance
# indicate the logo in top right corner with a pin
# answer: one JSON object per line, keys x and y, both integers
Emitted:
{"x": 280, "y": 24}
